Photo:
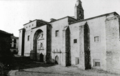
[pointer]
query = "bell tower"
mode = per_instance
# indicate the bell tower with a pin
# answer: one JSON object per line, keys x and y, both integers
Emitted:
{"x": 79, "y": 12}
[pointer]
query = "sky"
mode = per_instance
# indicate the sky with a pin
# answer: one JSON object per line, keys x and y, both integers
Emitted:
{"x": 15, "y": 13}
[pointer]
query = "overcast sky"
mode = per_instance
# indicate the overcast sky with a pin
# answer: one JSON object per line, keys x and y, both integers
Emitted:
{"x": 15, "y": 13}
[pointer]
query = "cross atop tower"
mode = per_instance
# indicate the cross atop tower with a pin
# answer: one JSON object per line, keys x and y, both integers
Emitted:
{"x": 78, "y": 2}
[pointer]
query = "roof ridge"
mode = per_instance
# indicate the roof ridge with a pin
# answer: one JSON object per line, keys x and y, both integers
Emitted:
{"x": 95, "y": 17}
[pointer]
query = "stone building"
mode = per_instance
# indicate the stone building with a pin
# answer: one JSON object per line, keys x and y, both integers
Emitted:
{"x": 85, "y": 43}
{"x": 5, "y": 53}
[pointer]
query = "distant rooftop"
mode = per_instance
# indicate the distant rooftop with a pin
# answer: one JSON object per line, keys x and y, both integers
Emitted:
{"x": 69, "y": 17}
{"x": 64, "y": 18}
{"x": 4, "y": 32}
{"x": 45, "y": 22}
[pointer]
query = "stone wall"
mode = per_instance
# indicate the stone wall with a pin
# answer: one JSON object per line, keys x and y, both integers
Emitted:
{"x": 97, "y": 42}
{"x": 28, "y": 30}
{"x": 58, "y": 42}
{"x": 113, "y": 43}
{"x": 21, "y": 42}
{"x": 97, "y": 48}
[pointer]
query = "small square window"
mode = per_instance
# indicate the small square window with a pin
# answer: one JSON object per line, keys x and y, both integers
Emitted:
{"x": 75, "y": 40}
{"x": 96, "y": 39}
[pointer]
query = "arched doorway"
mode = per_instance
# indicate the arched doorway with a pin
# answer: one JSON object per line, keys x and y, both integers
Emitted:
{"x": 56, "y": 59}
{"x": 41, "y": 57}
{"x": 87, "y": 46}
{"x": 35, "y": 43}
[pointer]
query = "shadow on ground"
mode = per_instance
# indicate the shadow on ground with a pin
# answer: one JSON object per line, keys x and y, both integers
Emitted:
{"x": 25, "y": 63}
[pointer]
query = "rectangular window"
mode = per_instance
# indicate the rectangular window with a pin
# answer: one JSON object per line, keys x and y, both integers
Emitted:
{"x": 96, "y": 39}
{"x": 75, "y": 40}
{"x": 96, "y": 62}
{"x": 28, "y": 37}
{"x": 57, "y": 33}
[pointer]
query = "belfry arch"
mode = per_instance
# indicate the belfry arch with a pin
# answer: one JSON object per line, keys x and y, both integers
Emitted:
{"x": 35, "y": 43}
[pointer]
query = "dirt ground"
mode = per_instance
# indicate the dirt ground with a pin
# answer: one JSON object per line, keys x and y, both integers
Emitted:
{"x": 33, "y": 68}
{"x": 57, "y": 70}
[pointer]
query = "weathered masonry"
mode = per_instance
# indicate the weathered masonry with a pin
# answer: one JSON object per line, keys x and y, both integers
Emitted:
{"x": 85, "y": 43}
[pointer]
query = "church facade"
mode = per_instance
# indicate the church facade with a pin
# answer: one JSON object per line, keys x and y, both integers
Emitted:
{"x": 85, "y": 43}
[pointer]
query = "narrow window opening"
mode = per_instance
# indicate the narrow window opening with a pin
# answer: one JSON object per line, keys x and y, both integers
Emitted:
{"x": 14, "y": 45}
{"x": 28, "y": 38}
{"x": 57, "y": 33}
{"x": 14, "y": 40}
{"x": 41, "y": 46}
{"x": 42, "y": 35}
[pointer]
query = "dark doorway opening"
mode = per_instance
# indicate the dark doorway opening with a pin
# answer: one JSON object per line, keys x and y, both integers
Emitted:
{"x": 68, "y": 52}
{"x": 87, "y": 46}
{"x": 41, "y": 57}
{"x": 56, "y": 59}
